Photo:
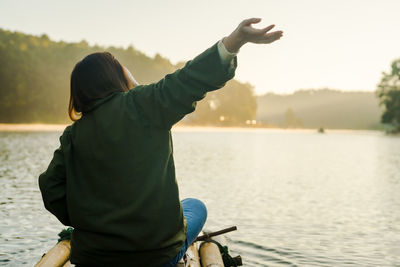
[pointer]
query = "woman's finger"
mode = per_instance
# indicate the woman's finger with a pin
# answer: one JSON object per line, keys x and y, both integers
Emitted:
{"x": 271, "y": 37}
{"x": 267, "y": 29}
{"x": 247, "y": 22}
{"x": 276, "y": 33}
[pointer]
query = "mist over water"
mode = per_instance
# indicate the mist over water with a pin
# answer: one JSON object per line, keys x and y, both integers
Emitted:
{"x": 298, "y": 198}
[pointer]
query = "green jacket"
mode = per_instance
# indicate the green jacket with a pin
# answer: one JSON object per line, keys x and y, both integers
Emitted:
{"x": 113, "y": 176}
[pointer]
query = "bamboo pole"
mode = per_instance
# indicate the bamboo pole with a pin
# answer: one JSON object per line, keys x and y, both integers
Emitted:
{"x": 210, "y": 255}
{"x": 192, "y": 256}
{"x": 57, "y": 256}
{"x": 68, "y": 264}
{"x": 212, "y": 234}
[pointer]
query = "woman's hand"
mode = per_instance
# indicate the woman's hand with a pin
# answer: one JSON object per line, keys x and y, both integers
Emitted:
{"x": 244, "y": 33}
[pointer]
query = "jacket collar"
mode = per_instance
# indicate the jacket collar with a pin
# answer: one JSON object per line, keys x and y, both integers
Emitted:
{"x": 100, "y": 101}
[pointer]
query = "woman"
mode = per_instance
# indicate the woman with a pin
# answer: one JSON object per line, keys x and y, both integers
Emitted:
{"x": 113, "y": 176}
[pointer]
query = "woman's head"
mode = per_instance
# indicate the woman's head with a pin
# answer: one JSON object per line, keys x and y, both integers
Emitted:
{"x": 95, "y": 77}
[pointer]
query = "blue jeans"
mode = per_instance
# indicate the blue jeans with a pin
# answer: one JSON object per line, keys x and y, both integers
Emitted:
{"x": 195, "y": 213}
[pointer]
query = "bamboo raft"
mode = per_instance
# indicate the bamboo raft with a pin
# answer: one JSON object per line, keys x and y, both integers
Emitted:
{"x": 202, "y": 253}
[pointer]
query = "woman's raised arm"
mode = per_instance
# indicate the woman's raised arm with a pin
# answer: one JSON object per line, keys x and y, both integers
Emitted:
{"x": 164, "y": 103}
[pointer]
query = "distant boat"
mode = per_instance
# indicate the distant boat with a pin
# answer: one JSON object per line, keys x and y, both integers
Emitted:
{"x": 321, "y": 130}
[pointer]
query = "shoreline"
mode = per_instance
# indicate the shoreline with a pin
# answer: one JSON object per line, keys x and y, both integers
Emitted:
{"x": 31, "y": 127}
{"x": 42, "y": 127}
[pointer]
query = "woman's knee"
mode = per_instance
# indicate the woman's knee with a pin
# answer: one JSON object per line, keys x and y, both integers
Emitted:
{"x": 197, "y": 205}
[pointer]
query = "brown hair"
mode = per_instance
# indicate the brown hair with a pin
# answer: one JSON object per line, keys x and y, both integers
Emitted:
{"x": 93, "y": 78}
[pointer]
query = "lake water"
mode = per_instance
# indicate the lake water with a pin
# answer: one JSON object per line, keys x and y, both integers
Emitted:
{"x": 298, "y": 198}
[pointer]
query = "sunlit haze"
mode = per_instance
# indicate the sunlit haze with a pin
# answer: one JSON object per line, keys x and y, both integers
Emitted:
{"x": 337, "y": 44}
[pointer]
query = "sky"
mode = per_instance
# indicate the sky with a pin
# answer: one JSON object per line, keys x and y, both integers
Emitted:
{"x": 338, "y": 44}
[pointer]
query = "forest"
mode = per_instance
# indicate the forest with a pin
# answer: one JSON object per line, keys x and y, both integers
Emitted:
{"x": 35, "y": 73}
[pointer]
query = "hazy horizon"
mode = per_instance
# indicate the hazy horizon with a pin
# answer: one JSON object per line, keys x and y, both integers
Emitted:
{"x": 342, "y": 45}
{"x": 284, "y": 93}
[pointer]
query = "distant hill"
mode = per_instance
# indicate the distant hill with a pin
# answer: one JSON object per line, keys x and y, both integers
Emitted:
{"x": 320, "y": 108}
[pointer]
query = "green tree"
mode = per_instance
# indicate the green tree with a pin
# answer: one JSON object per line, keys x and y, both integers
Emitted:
{"x": 389, "y": 95}
{"x": 232, "y": 105}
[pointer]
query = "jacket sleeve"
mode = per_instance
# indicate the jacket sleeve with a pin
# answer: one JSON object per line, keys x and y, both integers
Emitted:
{"x": 166, "y": 102}
{"x": 52, "y": 185}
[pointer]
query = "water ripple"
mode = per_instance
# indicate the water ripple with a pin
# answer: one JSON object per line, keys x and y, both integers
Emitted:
{"x": 298, "y": 198}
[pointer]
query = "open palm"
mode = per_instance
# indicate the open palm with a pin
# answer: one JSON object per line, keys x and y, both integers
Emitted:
{"x": 245, "y": 33}
{"x": 259, "y": 36}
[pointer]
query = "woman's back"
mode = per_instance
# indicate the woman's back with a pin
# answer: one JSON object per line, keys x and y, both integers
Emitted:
{"x": 118, "y": 198}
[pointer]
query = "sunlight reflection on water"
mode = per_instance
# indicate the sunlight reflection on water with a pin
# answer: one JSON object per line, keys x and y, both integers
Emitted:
{"x": 298, "y": 198}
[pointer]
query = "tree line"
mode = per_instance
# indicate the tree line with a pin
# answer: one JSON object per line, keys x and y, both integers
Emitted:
{"x": 35, "y": 73}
